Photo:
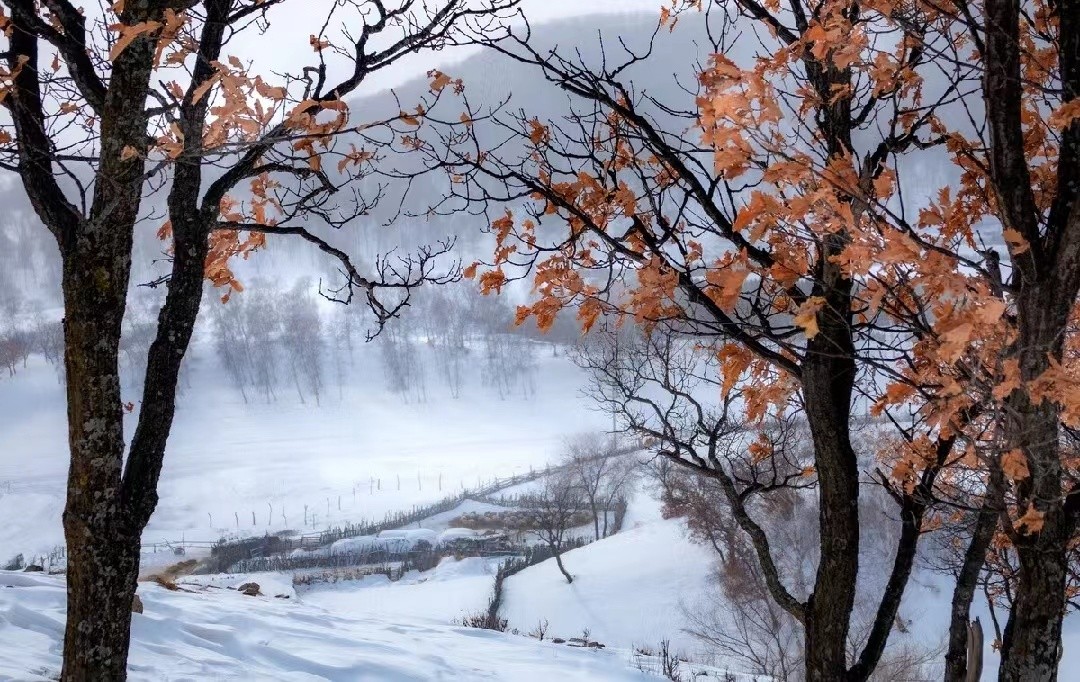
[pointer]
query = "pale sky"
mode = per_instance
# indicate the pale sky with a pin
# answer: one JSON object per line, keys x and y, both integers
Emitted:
{"x": 286, "y": 44}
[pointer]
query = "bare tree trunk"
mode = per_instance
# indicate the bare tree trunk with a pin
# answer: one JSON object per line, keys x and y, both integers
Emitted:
{"x": 828, "y": 377}
{"x": 1032, "y": 644}
{"x": 596, "y": 519}
{"x": 103, "y": 549}
{"x": 562, "y": 569}
{"x": 1032, "y": 637}
{"x": 956, "y": 658}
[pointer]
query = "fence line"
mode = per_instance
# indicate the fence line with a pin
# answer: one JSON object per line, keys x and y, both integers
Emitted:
{"x": 227, "y": 553}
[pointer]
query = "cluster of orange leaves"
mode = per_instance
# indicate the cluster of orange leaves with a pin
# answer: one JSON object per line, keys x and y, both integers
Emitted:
{"x": 904, "y": 272}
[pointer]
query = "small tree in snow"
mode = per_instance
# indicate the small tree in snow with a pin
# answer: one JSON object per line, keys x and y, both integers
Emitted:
{"x": 557, "y": 506}
{"x": 600, "y": 475}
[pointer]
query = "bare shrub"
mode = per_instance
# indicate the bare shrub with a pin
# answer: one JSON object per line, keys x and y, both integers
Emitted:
{"x": 480, "y": 620}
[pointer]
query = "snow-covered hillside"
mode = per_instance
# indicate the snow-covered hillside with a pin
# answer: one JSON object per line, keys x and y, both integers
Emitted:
{"x": 220, "y": 634}
{"x": 628, "y": 590}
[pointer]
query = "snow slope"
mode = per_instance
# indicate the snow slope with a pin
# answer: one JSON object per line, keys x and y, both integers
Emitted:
{"x": 451, "y": 590}
{"x": 223, "y": 635}
{"x": 628, "y": 589}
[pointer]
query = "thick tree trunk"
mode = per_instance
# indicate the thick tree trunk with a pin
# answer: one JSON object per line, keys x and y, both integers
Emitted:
{"x": 102, "y": 537}
{"x": 103, "y": 549}
{"x": 828, "y": 378}
{"x": 1048, "y": 275}
{"x": 101, "y": 581}
{"x": 1032, "y": 637}
{"x": 829, "y": 608}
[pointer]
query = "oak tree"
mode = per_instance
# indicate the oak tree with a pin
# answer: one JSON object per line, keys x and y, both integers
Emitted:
{"x": 109, "y": 105}
{"x": 776, "y": 212}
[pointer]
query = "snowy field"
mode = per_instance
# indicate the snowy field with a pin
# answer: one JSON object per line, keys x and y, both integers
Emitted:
{"x": 228, "y": 461}
{"x": 223, "y": 635}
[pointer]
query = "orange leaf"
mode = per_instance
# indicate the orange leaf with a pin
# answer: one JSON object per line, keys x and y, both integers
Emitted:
{"x": 990, "y": 312}
{"x": 1065, "y": 115}
{"x": 204, "y": 88}
{"x": 128, "y": 35}
{"x": 1032, "y": 521}
{"x": 1014, "y": 465}
{"x": 955, "y": 341}
{"x": 439, "y": 80}
{"x": 1016, "y": 241}
{"x": 728, "y": 281}
{"x": 806, "y": 315}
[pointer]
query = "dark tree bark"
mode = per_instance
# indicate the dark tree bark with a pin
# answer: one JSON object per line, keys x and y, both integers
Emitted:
{"x": 1048, "y": 276}
{"x": 102, "y": 539}
{"x": 559, "y": 563}
{"x": 967, "y": 580}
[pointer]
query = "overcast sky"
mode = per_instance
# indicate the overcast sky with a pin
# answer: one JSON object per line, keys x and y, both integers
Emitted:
{"x": 286, "y": 44}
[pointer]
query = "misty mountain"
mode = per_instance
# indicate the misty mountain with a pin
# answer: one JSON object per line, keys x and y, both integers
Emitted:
{"x": 29, "y": 263}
